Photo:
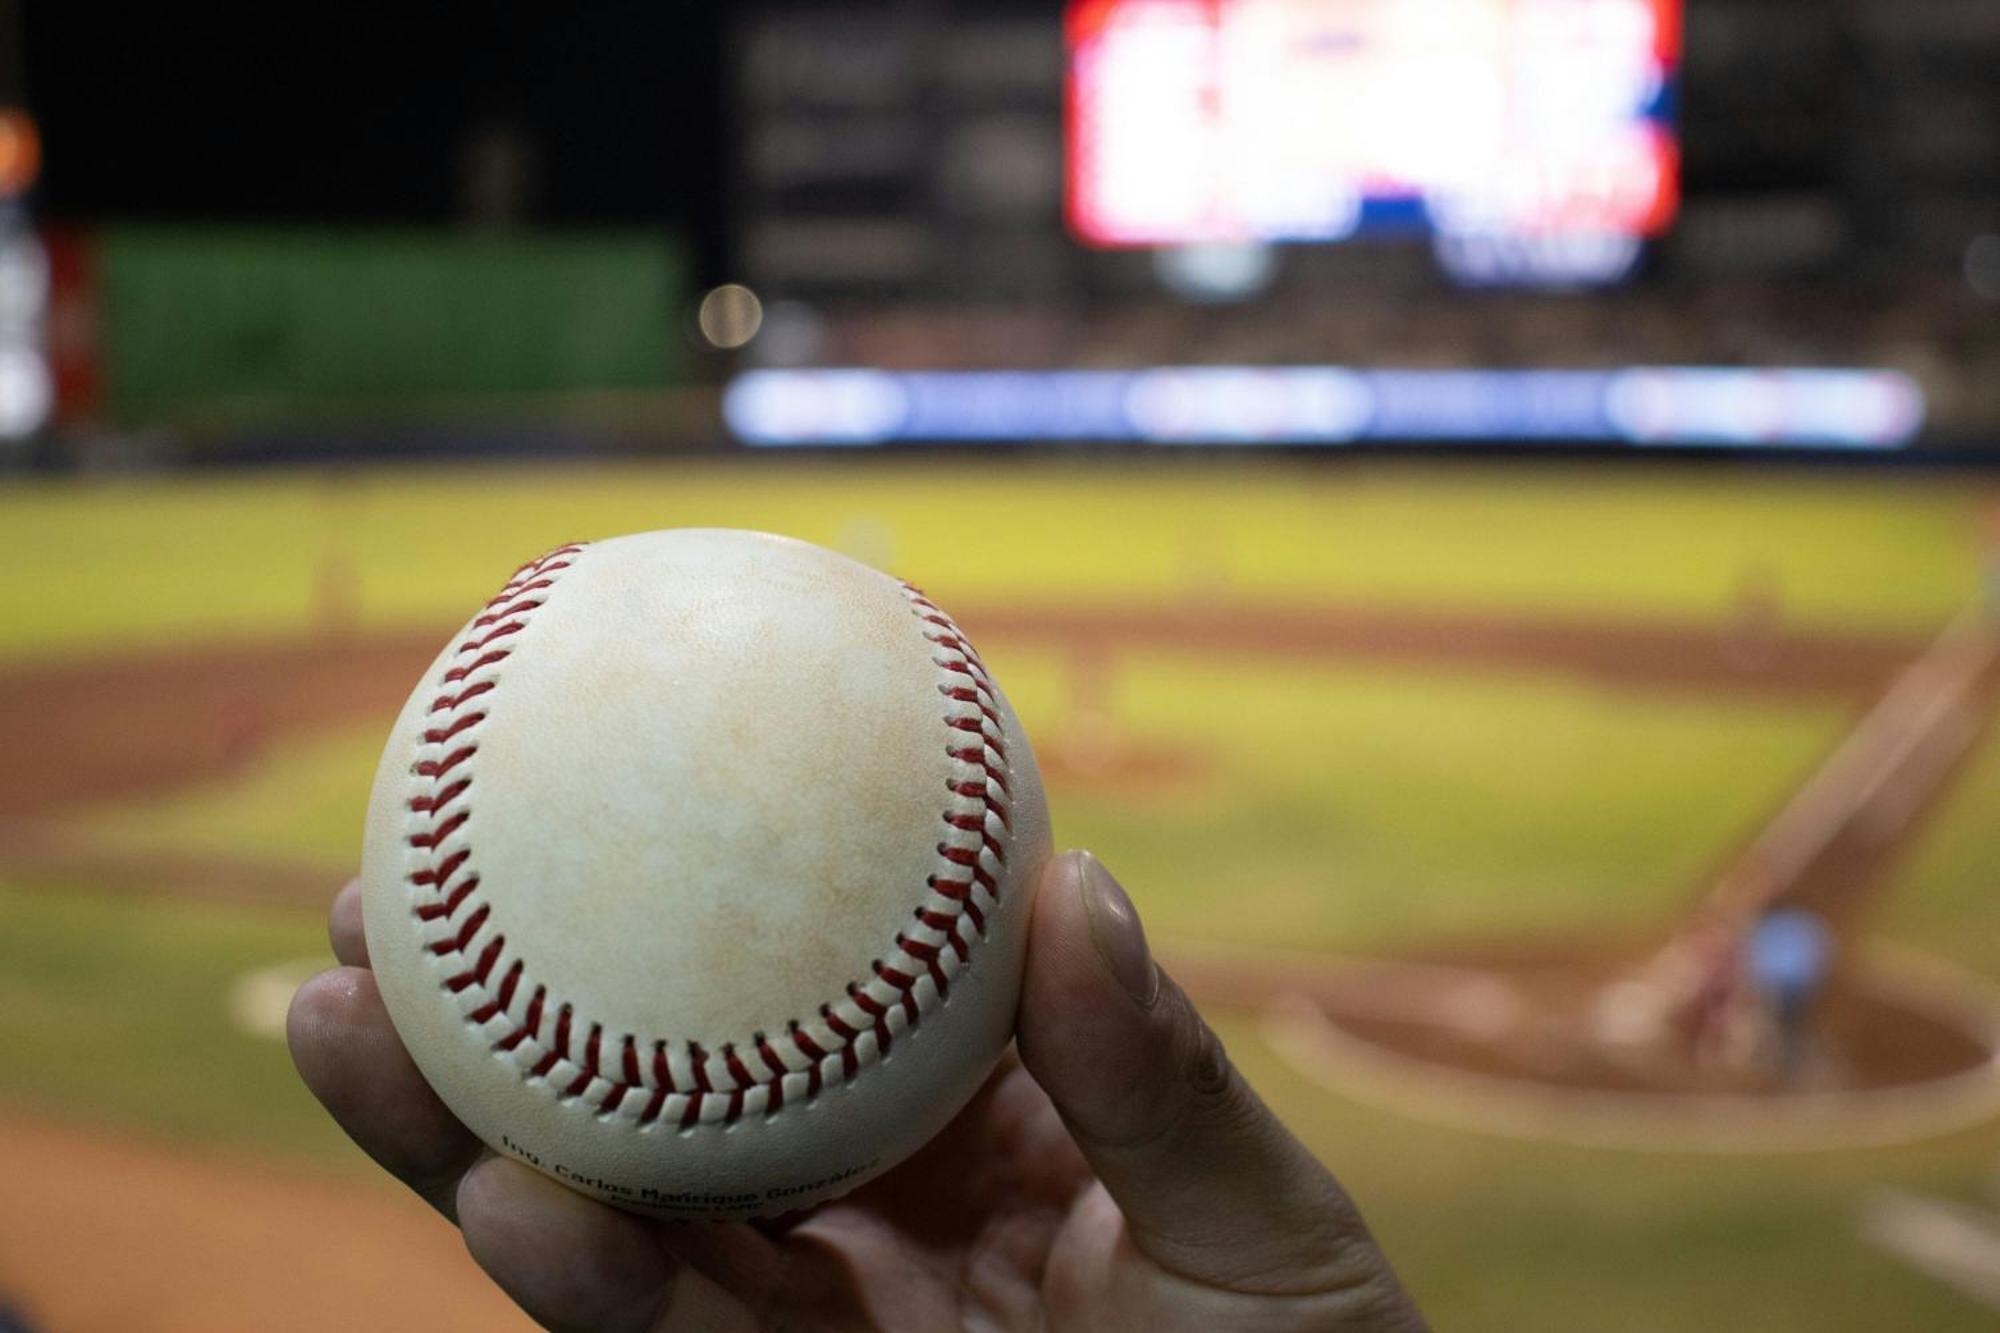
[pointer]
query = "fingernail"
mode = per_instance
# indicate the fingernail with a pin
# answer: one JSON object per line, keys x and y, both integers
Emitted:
{"x": 1117, "y": 933}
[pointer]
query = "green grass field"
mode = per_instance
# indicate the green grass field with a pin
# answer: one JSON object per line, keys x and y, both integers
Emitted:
{"x": 1336, "y": 806}
{"x": 105, "y": 563}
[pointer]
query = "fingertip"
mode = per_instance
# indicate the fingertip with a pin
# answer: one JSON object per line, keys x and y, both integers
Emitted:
{"x": 1089, "y": 981}
{"x": 1058, "y": 893}
{"x": 1065, "y": 967}
{"x": 569, "y": 1261}
{"x": 344, "y": 926}
{"x": 350, "y": 1058}
{"x": 1117, "y": 933}
{"x": 320, "y": 1009}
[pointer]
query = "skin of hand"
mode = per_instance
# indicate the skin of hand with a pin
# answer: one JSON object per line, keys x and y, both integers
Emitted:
{"x": 1115, "y": 1173}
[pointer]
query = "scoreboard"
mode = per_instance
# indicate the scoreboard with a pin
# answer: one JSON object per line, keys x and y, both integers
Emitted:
{"x": 1201, "y": 121}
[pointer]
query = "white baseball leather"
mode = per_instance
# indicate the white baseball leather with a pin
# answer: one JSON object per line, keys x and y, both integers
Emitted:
{"x": 698, "y": 869}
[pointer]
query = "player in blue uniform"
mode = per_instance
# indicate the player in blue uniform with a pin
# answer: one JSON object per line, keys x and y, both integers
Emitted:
{"x": 1791, "y": 952}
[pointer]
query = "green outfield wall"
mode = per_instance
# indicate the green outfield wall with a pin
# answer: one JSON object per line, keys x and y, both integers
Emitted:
{"x": 201, "y": 322}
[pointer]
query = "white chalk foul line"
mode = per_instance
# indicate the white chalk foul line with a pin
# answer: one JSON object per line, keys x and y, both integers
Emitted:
{"x": 1955, "y": 1243}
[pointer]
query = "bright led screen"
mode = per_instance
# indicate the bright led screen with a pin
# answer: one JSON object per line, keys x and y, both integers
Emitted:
{"x": 1195, "y": 121}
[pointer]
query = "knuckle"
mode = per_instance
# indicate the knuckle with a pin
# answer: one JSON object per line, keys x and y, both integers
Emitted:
{"x": 1207, "y": 1069}
{"x": 1216, "y": 1092}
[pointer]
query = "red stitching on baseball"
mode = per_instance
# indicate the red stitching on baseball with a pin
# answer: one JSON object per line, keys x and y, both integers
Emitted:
{"x": 561, "y": 1047}
{"x": 511, "y": 627}
{"x": 772, "y": 1061}
{"x": 958, "y": 856}
{"x": 443, "y": 871}
{"x": 435, "y": 803}
{"x": 487, "y": 958}
{"x": 441, "y": 911}
{"x": 518, "y": 589}
{"x": 965, "y": 695}
{"x": 457, "y": 943}
{"x": 588, "y": 1070}
{"x": 982, "y": 791}
{"x": 438, "y": 768}
{"x": 432, "y": 837}
{"x": 734, "y": 1063}
{"x": 516, "y": 608}
{"x": 442, "y": 734}
{"x": 444, "y": 703}
{"x": 928, "y": 955}
{"x": 813, "y": 1052}
{"x": 508, "y": 613}
{"x": 955, "y": 889}
{"x": 629, "y": 1059}
{"x": 839, "y": 1026}
{"x": 509, "y": 984}
{"x": 945, "y": 925}
{"x": 533, "y": 1027}
{"x": 484, "y": 660}
{"x": 902, "y": 981}
{"x": 876, "y": 1010}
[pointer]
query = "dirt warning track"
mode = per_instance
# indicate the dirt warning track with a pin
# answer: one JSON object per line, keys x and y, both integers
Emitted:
{"x": 115, "y": 1233}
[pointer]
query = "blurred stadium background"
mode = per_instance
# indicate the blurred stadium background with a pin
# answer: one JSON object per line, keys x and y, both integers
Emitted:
{"x": 1479, "y": 502}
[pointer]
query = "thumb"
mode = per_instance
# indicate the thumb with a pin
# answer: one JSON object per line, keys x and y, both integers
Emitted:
{"x": 1213, "y": 1187}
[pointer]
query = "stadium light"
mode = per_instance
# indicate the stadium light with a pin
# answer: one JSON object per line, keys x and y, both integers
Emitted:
{"x": 27, "y": 395}
{"x": 730, "y": 316}
{"x": 20, "y": 153}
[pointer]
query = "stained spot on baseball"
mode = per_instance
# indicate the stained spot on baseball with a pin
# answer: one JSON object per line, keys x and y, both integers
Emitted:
{"x": 698, "y": 868}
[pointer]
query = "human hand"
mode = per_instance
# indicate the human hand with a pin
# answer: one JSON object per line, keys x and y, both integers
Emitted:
{"x": 1117, "y": 1174}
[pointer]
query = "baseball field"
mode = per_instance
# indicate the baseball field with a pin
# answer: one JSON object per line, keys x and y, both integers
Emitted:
{"x": 1305, "y": 712}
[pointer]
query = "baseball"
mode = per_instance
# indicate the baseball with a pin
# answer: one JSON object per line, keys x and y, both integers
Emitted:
{"x": 698, "y": 870}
